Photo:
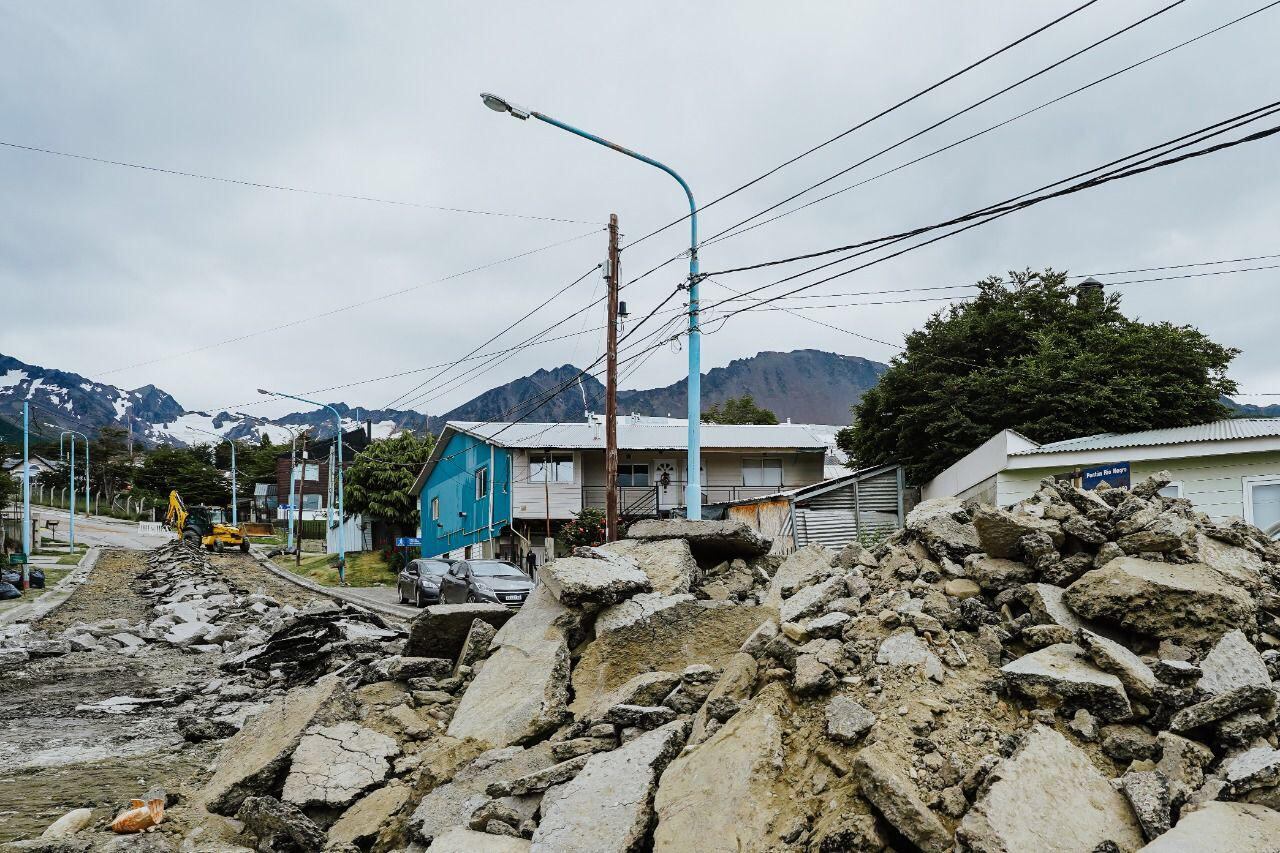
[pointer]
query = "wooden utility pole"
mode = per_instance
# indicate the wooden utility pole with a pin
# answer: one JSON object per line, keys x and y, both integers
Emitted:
{"x": 611, "y": 392}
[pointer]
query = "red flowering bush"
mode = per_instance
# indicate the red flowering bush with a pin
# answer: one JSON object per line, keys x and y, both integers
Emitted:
{"x": 586, "y": 528}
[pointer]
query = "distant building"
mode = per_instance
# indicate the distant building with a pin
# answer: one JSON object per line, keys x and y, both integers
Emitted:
{"x": 39, "y": 465}
{"x": 1225, "y": 468}
{"x": 498, "y": 488}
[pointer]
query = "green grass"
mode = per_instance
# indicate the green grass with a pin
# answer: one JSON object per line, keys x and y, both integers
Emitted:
{"x": 50, "y": 548}
{"x": 71, "y": 559}
{"x": 51, "y": 577}
{"x": 267, "y": 540}
{"x": 364, "y": 568}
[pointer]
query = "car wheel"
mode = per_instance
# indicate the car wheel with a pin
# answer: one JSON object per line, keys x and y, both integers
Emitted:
{"x": 244, "y": 546}
{"x": 400, "y": 594}
{"x": 417, "y": 597}
{"x": 471, "y": 598}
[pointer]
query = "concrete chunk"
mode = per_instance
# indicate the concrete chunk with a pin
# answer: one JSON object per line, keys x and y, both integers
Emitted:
{"x": 886, "y": 787}
{"x": 580, "y": 581}
{"x": 709, "y": 540}
{"x": 1184, "y": 602}
{"x": 334, "y": 764}
{"x": 459, "y": 839}
{"x": 1218, "y": 827}
{"x": 668, "y": 562}
{"x": 1048, "y": 797}
{"x": 608, "y": 806}
{"x": 518, "y": 695}
{"x": 440, "y": 630}
{"x": 1062, "y": 671}
{"x": 1233, "y": 662}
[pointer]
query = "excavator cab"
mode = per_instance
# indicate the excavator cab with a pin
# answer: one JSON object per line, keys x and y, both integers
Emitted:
{"x": 198, "y": 527}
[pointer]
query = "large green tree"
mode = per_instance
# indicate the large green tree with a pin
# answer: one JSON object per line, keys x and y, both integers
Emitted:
{"x": 1037, "y": 355}
{"x": 190, "y": 470}
{"x": 378, "y": 481}
{"x": 738, "y": 410}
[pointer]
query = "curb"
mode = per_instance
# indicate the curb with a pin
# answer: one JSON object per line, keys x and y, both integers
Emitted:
{"x": 58, "y": 595}
{"x": 332, "y": 592}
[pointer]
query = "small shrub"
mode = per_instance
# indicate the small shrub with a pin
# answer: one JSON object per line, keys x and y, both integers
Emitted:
{"x": 586, "y": 528}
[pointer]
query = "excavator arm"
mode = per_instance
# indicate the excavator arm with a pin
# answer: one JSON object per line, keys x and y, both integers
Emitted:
{"x": 176, "y": 517}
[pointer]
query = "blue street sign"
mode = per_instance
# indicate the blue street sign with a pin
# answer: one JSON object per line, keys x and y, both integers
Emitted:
{"x": 408, "y": 542}
{"x": 1114, "y": 475}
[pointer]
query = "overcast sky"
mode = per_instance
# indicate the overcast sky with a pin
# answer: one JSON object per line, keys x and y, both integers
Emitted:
{"x": 104, "y": 267}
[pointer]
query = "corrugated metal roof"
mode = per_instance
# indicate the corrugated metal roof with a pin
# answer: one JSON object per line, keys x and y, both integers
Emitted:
{"x": 644, "y": 436}
{"x": 1224, "y": 430}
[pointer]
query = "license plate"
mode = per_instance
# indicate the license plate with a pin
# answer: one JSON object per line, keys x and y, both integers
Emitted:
{"x": 513, "y": 598}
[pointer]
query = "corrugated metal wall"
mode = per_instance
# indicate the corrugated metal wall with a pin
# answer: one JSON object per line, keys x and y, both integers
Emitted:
{"x": 868, "y": 508}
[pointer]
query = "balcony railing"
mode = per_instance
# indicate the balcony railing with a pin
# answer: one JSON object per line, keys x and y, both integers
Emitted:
{"x": 642, "y": 501}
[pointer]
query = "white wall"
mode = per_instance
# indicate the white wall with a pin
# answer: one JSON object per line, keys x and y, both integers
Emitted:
{"x": 529, "y": 500}
{"x": 975, "y": 468}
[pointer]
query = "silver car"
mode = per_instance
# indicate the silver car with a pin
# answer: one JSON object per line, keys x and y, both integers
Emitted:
{"x": 493, "y": 581}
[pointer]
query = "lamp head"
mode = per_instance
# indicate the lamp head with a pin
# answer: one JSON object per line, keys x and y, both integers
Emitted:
{"x": 268, "y": 393}
{"x": 501, "y": 105}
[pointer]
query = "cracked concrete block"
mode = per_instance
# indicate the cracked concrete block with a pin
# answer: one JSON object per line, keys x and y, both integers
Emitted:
{"x": 518, "y": 695}
{"x": 1063, "y": 672}
{"x": 334, "y": 764}
{"x": 668, "y": 562}
{"x": 1218, "y": 827}
{"x": 582, "y": 581}
{"x": 608, "y": 806}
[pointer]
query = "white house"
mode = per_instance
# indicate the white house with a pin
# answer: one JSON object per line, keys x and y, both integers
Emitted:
{"x": 1225, "y": 468}
{"x": 39, "y": 465}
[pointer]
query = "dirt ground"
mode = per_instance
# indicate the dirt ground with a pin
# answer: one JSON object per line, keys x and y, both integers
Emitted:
{"x": 54, "y": 758}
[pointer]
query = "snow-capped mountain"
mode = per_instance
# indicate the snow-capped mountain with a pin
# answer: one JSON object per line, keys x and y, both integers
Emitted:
{"x": 69, "y": 400}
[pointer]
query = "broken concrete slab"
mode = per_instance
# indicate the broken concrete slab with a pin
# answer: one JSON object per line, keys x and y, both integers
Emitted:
{"x": 1109, "y": 656}
{"x": 334, "y": 764}
{"x": 708, "y": 540}
{"x": 1254, "y": 768}
{"x": 1150, "y": 795}
{"x": 944, "y": 527}
{"x": 440, "y": 629}
{"x": 885, "y": 785}
{"x": 518, "y": 695}
{"x": 722, "y": 793}
{"x": 1218, "y": 827}
{"x": 995, "y": 574}
{"x": 904, "y": 648}
{"x": 475, "y": 646}
{"x": 1184, "y": 602}
{"x": 360, "y": 824}
{"x": 1245, "y": 698}
{"x": 581, "y": 581}
{"x": 538, "y": 781}
{"x": 1000, "y": 530}
{"x": 254, "y": 759}
{"x": 647, "y": 688}
{"x": 460, "y": 790}
{"x": 460, "y": 839}
{"x": 847, "y": 720}
{"x": 608, "y": 807}
{"x": 1048, "y": 797}
{"x": 812, "y": 600}
{"x": 636, "y": 608}
{"x": 541, "y": 618}
{"x": 268, "y": 818}
{"x": 1045, "y": 601}
{"x": 1064, "y": 673}
{"x": 801, "y": 568}
{"x": 670, "y": 639}
{"x": 1232, "y": 662}
{"x": 668, "y": 562}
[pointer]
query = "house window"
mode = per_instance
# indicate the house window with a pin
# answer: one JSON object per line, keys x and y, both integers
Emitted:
{"x": 1173, "y": 490}
{"x": 311, "y": 502}
{"x": 482, "y": 483}
{"x": 309, "y": 471}
{"x": 1262, "y": 503}
{"x": 633, "y": 475}
{"x": 762, "y": 472}
{"x": 551, "y": 468}
{"x": 435, "y": 509}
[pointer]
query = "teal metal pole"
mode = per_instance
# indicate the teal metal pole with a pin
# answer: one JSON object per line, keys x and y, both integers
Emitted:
{"x": 26, "y": 491}
{"x": 693, "y": 486}
{"x": 71, "y": 505}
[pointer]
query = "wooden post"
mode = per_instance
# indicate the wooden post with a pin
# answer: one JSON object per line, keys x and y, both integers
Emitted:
{"x": 611, "y": 392}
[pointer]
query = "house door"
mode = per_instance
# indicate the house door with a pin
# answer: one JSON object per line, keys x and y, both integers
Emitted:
{"x": 666, "y": 476}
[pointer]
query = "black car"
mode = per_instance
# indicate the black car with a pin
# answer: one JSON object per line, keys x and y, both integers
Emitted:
{"x": 419, "y": 581}
{"x": 492, "y": 581}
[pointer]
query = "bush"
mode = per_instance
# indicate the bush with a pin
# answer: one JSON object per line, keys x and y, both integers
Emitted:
{"x": 586, "y": 528}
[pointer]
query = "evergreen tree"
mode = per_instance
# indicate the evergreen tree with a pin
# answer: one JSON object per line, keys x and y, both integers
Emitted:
{"x": 379, "y": 480}
{"x": 738, "y": 410}
{"x": 1040, "y": 356}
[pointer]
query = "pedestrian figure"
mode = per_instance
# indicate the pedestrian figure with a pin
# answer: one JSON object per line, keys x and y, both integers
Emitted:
{"x": 531, "y": 562}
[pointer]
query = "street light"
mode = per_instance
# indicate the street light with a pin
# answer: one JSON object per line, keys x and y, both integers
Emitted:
{"x": 71, "y": 505}
{"x": 293, "y": 463}
{"x": 693, "y": 488}
{"x": 342, "y": 516}
{"x": 234, "y": 517}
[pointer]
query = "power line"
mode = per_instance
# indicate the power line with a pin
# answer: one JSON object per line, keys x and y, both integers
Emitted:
{"x": 1028, "y": 199}
{"x": 875, "y": 117}
{"x": 999, "y": 211}
{"x": 500, "y": 333}
{"x": 282, "y": 187}
{"x": 348, "y": 307}
{"x": 950, "y": 117}
{"x": 730, "y": 233}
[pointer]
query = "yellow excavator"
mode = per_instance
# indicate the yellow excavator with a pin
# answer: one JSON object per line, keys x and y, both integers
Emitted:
{"x": 197, "y": 526}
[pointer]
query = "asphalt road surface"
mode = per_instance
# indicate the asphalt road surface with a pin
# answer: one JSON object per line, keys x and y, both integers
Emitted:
{"x": 98, "y": 530}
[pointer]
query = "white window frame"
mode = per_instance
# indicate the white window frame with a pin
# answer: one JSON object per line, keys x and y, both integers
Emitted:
{"x": 302, "y": 469}
{"x": 551, "y": 462}
{"x": 758, "y": 462}
{"x": 435, "y": 509}
{"x": 1246, "y": 487}
{"x": 648, "y": 473}
{"x": 1174, "y": 484}
{"x": 482, "y": 483}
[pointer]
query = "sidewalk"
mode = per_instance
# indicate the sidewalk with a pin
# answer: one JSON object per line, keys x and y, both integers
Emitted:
{"x": 29, "y": 608}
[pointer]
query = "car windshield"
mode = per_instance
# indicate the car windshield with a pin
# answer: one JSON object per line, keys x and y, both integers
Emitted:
{"x": 432, "y": 567}
{"x": 493, "y": 569}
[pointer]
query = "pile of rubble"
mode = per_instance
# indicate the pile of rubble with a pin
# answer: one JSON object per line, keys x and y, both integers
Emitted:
{"x": 1085, "y": 671}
